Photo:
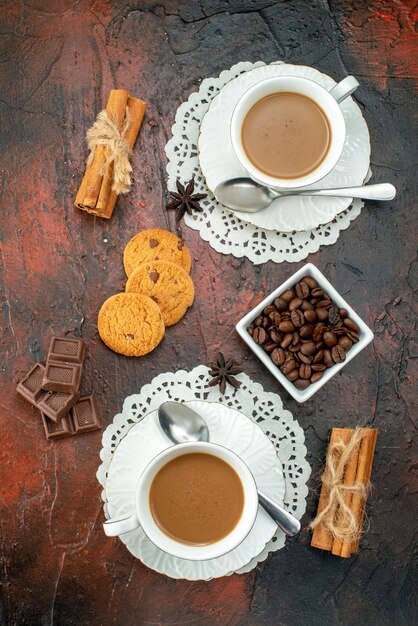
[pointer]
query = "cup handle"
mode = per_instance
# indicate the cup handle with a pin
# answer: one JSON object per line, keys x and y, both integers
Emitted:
{"x": 344, "y": 88}
{"x": 119, "y": 526}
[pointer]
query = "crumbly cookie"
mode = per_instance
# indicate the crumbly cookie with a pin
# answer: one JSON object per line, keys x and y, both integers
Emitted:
{"x": 131, "y": 324}
{"x": 155, "y": 245}
{"x": 168, "y": 284}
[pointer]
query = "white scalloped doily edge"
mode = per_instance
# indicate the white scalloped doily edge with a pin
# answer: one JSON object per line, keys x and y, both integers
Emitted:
{"x": 221, "y": 229}
{"x": 263, "y": 407}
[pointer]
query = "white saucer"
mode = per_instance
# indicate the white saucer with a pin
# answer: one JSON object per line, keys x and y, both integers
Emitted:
{"x": 227, "y": 427}
{"x": 218, "y": 161}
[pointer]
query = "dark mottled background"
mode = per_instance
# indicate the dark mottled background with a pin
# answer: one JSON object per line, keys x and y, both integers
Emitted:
{"x": 58, "y": 61}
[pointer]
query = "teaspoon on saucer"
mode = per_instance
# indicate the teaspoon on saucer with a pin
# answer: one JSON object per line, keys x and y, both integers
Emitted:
{"x": 182, "y": 424}
{"x": 248, "y": 196}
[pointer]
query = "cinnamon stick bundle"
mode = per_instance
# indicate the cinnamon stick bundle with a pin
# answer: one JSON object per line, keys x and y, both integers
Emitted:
{"x": 337, "y": 526}
{"x": 99, "y": 191}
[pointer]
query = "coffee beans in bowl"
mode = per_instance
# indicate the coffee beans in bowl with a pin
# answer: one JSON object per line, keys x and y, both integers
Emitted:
{"x": 304, "y": 332}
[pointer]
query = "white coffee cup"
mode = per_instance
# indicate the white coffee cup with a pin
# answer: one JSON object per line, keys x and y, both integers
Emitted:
{"x": 143, "y": 516}
{"x": 328, "y": 101}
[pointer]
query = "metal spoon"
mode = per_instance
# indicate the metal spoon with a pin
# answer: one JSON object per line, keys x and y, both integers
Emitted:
{"x": 247, "y": 196}
{"x": 181, "y": 424}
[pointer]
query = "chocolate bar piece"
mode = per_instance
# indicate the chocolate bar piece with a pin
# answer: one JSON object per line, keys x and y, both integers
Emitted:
{"x": 56, "y": 404}
{"x": 61, "y": 377}
{"x": 54, "y": 430}
{"x": 66, "y": 350}
{"x": 85, "y": 414}
{"x": 64, "y": 364}
{"x": 30, "y": 387}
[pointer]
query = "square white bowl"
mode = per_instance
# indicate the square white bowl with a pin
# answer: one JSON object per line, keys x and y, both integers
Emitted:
{"x": 365, "y": 334}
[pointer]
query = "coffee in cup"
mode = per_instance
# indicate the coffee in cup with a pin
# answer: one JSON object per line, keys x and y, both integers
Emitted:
{"x": 196, "y": 498}
{"x": 286, "y": 135}
{"x": 288, "y": 132}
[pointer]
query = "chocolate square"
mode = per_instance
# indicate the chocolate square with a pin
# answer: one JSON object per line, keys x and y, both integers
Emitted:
{"x": 66, "y": 350}
{"x": 57, "y": 430}
{"x": 30, "y": 387}
{"x": 85, "y": 414}
{"x": 56, "y": 404}
{"x": 61, "y": 377}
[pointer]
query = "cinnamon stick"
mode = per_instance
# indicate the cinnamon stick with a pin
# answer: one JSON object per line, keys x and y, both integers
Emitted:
{"x": 357, "y": 470}
{"x": 116, "y": 108}
{"x": 95, "y": 194}
{"x": 321, "y": 537}
{"x": 107, "y": 197}
{"x": 348, "y": 480}
{"x": 364, "y": 471}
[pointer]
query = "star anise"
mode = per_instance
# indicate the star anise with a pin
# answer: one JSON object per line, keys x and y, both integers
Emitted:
{"x": 184, "y": 200}
{"x": 223, "y": 371}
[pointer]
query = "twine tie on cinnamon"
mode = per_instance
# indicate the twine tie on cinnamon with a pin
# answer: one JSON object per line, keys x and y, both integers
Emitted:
{"x": 337, "y": 516}
{"x": 105, "y": 132}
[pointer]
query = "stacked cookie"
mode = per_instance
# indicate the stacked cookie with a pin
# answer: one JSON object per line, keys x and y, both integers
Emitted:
{"x": 158, "y": 293}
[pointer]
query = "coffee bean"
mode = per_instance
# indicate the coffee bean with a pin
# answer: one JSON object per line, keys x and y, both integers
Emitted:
{"x": 286, "y": 327}
{"x": 297, "y": 318}
{"x": 308, "y": 348}
{"x": 269, "y": 309}
{"x": 319, "y": 345}
{"x": 294, "y": 304}
{"x": 295, "y": 339}
{"x": 278, "y": 356}
{"x": 318, "y": 356}
{"x": 343, "y": 312}
{"x": 266, "y": 321}
{"x": 305, "y": 371}
{"x": 322, "y": 314}
{"x": 340, "y": 330}
{"x": 286, "y": 341}
{"x": 318, "y": 331}
{"x": 324, "y": 304}
{"x": 302, "y": 290}
{"x": 280, "y": 304}
{"x": 293, "y": 375}
{"x": 310, "y": 315}
{"x": 311, "y": 282}
{"x": 269, "y": 346}
{"x": 353, "y": 336}
{"x": 285, "y": 316}
{"x": 275, "y": 336}
{"x": 289, "y": 366}
{"x": 258, "y": 320}
{"x": 293, "y": 348}
{"x": 306, "y": 306}
{"x": 275, "y": 318}
{"x": 338, "y": 354}
{"x": 330, "y": 338}
{"x": 250, "y": 330}
{"x": 318, "y": 367}
{"x": 259, "y": 335}
{"x": 314, "y": 301}
{"x": 317, "y": 292}
{"x": 345, "y": 342}
{"x": 306, "y": 331}
{"x": 328, "y": 360}
{"x": 316, "y": 376}
{"x": 305, "y": 358}
{"x": 300, "y": 383}
{"x": 288, "y": 295}
{"x": 351, "y": 325}
{"x": 333, "y": 315}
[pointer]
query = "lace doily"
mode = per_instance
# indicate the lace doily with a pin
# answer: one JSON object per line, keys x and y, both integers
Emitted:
{"x": 225, "y": 232}
{"x": 264, "y": 408}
